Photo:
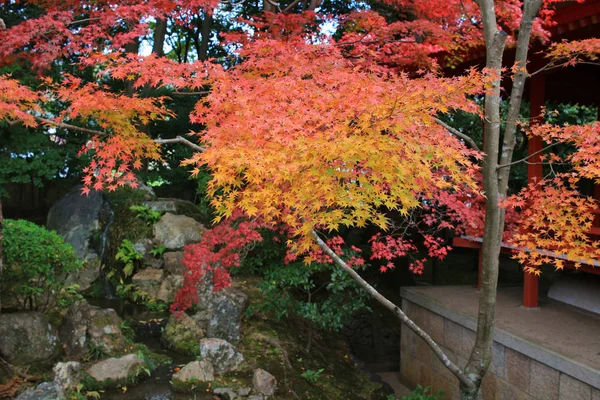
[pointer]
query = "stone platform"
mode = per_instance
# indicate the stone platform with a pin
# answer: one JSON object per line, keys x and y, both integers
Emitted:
{"x": 549, "y": 353}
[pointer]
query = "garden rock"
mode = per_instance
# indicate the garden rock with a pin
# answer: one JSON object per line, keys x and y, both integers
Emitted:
{"x": 225, "y": 308}
{"x": 44, "y": 391}
{"x": 76, "y": 217}
{"x": 221, "y": 354}
{"x": 84, "y": 325}
{"x": 182, "y": 334}
{"x": 263, "y": 382}
{"x": 144, "y": 247}
{"x": 115, "y": 370}
{"x": 27, "y": 338}
{"x": 174, "y": 262}
{"x": 195, "y": 371}
{"x": 104, "y": 329}
{"x": 67, "y": 375}
{"x": 149, "y": 280}
{"x": 169, "y": 288}
{"x": 226, "y": 393}
{"x": 175, "y": 231}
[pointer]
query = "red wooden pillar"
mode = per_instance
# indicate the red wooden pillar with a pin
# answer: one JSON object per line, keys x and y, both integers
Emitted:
{"x": 534, "y": 173}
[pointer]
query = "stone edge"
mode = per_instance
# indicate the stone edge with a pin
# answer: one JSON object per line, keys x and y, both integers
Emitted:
{"x": 554, "y": 360}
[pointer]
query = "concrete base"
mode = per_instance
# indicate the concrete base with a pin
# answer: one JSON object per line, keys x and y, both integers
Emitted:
{"x": 549, "y": 354}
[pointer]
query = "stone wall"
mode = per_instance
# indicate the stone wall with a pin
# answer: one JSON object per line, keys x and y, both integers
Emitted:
{"x": 513, "y": 375}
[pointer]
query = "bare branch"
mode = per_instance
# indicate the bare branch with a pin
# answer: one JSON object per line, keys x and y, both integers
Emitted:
{"x": 397, "y": 311}
{"x": 178, "y": 139}
{"x": 528, "y": 156}
{"x": 182, "y": 140}
{"x": 69, "y": 126}
{"x": 459, "y": 134}
{"x": 292, "y": 5}
{"x": 190, "y": 93}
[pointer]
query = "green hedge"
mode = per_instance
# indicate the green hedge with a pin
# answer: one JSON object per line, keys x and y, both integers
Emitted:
{"x": 36, "y": 264}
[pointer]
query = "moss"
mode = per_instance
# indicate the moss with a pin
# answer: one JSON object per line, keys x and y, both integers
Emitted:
{"x": 125, "y": 224}
{"x": 192, "y": 385}
{"x": 270, "y": 344}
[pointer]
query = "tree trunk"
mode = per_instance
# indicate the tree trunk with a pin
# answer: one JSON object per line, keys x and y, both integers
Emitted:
{"x": 159, "y": 37}
{"x": 1, "y": 238}
{"x": 495, "y": 180}
{"x": 206, "y": 29}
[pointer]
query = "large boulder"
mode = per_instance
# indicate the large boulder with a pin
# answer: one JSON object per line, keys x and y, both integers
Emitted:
{"x": 78, "y": 219}
{"x": 175, "y": 231}
{"x": 263, "y": 382}
{"x": 223, "y": 356}
{"x": 149, "y": 280}
{"x": 182, "y": 334}
{"x": 85, "y": 325}
{"x": 27, "y": 338}
{"x": 225, "y": 308}
{"x": 115, "y": 371}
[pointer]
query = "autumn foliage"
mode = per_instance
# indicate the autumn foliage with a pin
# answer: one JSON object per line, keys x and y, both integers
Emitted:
{"x": 306, "y": 131}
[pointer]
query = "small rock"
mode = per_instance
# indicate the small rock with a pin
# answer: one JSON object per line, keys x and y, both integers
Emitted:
{"x": 175, "y": 231}
{"x": 264, "y": 382}
{"x": 44, "y": 391}
{"x": 182, "y": 334}
{"x": 66, "y": 375}
{"x": 197, "y": 370}
{"x": 115, "y": 369}
{"x": 144, "y": 247}
{"x": 226, "y": 393}
{"x": 244, "y": 391}
{"x": 256, "y": 397}
{"x": 27, "y": 338}
{"x": 221, "y": 354}
{"x": 169, "y": 288}
{"x": 174, "y": 262}
{"x": 149, "y": 280}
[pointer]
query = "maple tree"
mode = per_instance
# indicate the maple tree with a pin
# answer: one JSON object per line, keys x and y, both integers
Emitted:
{"x": 306, "y": 133}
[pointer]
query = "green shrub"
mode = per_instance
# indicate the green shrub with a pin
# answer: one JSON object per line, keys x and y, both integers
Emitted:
{"x": 37, "y": 263}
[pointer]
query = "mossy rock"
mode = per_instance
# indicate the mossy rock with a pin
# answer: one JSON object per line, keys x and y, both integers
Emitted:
{"x": 192, "y": 385}
{"x": 182, "y": 334}
{"x": 115, "y": 372}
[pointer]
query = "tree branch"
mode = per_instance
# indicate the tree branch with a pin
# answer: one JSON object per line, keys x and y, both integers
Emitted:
{"x": 182, "y": 140}
{"x": 457, "y": 133}
{"x": 178, "y": 139}
{"x": 396, "y": 310}
{"x": 524, "y": 159}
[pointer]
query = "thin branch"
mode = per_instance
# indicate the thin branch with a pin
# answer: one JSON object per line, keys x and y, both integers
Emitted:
{"x": 182, "y": 140}
{"x": 190, "y": 93}
{"x": 397, "y": 311}
{"x": 528, "y": 156}
{"x": 178, "y": 139}
{"x": 69, "y": 126}
{"x": 459, "y": 134}
{"x": 289, "y": 8}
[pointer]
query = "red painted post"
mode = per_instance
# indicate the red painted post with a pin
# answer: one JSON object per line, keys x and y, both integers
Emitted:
{"x": 534, "y": 173}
